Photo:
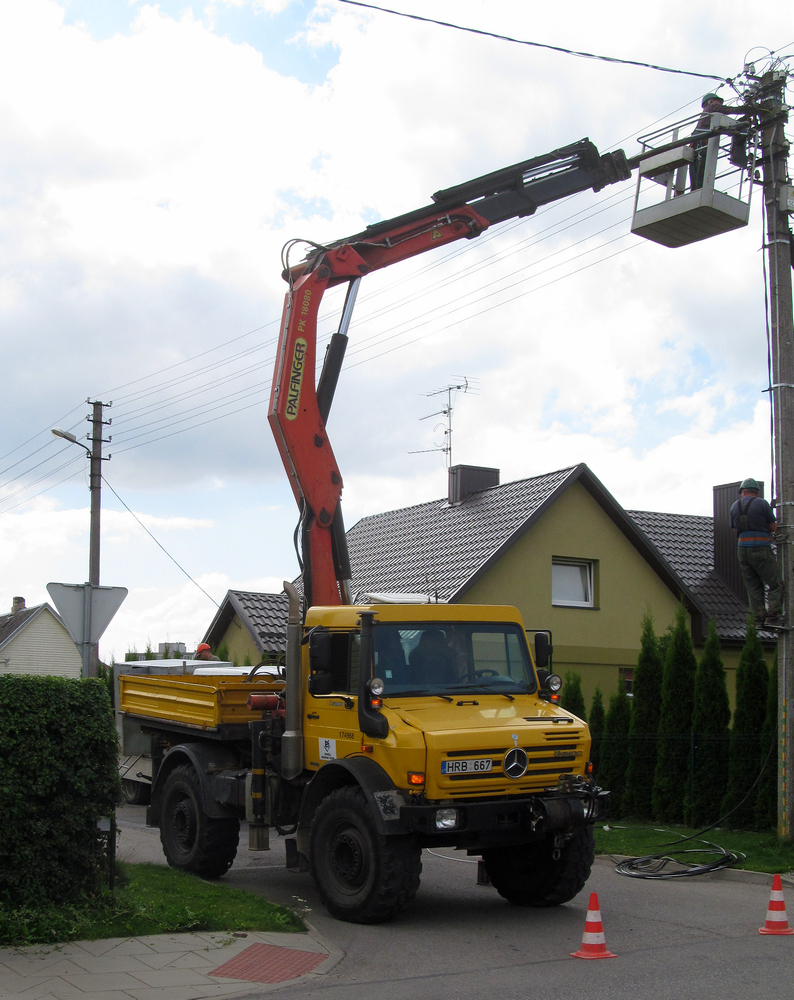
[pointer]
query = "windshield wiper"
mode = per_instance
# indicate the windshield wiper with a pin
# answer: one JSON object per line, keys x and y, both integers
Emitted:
{"x": 417, "y": 694}
{"x": 484, "y": 689}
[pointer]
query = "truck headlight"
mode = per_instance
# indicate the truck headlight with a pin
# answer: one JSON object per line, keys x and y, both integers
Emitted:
{"x": 446, "y": 819}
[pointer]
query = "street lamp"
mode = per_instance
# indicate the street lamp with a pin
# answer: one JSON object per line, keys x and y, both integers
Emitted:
{"x": 95, "y": 453}
{"x": 59, "y": 432}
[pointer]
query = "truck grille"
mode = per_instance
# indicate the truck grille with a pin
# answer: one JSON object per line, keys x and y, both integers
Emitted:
{"x": 559, "y": 753}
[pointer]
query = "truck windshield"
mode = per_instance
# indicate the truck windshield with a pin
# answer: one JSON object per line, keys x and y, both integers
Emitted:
{"x": 449, "y": 658}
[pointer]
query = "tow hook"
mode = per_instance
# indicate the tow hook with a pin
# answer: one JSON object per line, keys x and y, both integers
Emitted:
{"x": 559, "y": 840}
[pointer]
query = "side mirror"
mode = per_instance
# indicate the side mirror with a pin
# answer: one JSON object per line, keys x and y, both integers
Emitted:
{"x": 321, "y": 682}
{"x": 542, "y": 650}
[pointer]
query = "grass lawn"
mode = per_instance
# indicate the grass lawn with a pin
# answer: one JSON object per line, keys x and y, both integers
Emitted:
{"x": 765, "y": 853}
{"x": 148, "y": 899}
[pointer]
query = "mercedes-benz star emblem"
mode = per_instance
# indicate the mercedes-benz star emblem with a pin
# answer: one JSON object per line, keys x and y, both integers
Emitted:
{"x": 515, "y": 763}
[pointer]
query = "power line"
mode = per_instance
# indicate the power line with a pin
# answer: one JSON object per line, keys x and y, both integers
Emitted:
{"x": 537, "y": 45}
{"x": 140, "y": 522}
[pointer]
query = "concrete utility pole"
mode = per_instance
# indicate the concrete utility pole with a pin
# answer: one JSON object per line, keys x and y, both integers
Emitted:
{"x": 90, "y": 650}
{"x": 96, "y": 512}
{"x": 771, "y": 94}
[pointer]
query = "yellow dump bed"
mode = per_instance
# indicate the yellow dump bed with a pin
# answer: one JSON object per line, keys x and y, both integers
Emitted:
{"x": 202, "y": 702}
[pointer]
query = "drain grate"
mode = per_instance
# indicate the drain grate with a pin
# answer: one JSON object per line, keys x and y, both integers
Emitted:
{"x": 267, "y": 963}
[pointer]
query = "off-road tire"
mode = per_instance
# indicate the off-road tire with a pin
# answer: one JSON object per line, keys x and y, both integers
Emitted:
{"x": 136, "y": 793}
{"x": 191, "y": 840}
{"x": 362, "y": 876}
{"x": 529, "y": 876}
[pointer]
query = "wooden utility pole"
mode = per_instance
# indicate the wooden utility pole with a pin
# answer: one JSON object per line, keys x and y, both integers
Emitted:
{"x": 771, "y": 95}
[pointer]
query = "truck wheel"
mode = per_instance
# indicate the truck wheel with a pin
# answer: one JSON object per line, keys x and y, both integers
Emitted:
{"x": 191, "y": 840}
{"x": 529, "y": 876}
{"x": 362, "y": 876}
{"x": 136, "y": 793}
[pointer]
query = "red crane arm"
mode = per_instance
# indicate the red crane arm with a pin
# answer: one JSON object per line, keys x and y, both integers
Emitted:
{"x": 299, "y": 409}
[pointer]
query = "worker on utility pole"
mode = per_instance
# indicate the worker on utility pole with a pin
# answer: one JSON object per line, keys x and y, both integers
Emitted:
{"x": 755, "y": 524}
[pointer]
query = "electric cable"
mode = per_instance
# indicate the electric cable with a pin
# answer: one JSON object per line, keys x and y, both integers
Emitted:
{"x": 46, "y": 489}
{"x": 127, "y": 417}
{"x": 537, "y": 45}
{"x": 653, "y": 865}
{"x": 140, "y": 522}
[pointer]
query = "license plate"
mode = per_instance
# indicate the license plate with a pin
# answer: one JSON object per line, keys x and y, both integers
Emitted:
{"x": 466, "y": 766}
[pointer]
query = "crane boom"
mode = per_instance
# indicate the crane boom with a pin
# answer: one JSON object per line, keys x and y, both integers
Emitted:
{"x": 299, "y": 410}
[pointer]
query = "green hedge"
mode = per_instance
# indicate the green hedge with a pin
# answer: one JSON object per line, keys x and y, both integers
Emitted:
{"x": 58, "y": 775}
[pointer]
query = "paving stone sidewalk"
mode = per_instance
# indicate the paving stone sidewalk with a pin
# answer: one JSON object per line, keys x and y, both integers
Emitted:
{"x": 172, "y": 966}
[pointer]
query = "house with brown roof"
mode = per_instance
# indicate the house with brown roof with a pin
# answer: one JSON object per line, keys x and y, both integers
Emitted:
{"x": 557, "y": 546}
{"x": 252, "y": 626}
{"x": 563, "y": 550}
{"x": 35, "y": 641}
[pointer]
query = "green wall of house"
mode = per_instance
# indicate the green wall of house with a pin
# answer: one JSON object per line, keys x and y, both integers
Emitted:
{"x": 240, "y": 644}
{"x": 596, "y": 642}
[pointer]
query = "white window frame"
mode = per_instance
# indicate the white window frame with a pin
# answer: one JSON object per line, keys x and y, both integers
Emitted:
{"x": 589, "y": 565}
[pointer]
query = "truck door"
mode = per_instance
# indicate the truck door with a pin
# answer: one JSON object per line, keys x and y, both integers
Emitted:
{"x": 332, "y": 719}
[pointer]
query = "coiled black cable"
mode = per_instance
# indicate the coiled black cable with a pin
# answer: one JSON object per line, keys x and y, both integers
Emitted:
{"x": 654, "y": 865}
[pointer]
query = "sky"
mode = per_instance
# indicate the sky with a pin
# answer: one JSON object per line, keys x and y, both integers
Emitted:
{"x": 155, "y": 158}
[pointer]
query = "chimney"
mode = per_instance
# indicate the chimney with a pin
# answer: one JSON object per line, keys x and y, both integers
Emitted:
{"x": 17, "y": 604}
{"x": 726, "y": 565}
{"x": 467, "y": 479}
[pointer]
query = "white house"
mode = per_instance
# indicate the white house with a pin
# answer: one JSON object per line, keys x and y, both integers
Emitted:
{"x": 35, "y": 641}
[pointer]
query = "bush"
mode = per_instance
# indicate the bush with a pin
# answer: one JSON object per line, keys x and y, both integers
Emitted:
{"x": 613, "y": 749}
{"x": 747, "y": 755}
{"x": 596, "y": 731}
{"x": 766, "y": 800}
{"x": 646, "y": 703}
{"x": 58, "y": 775}
{"x": 572, "y": 699}
{"x": 671, "y": 780}
{"x": 710, "y": 717}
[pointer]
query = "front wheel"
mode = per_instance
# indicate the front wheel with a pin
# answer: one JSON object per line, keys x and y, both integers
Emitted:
{"x": 361, "y": 875}
{"x": 192, "y": 840}
{"x": 528, "y": 875}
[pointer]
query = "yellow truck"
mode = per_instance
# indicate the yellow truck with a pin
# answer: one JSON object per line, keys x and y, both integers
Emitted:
{"x": 394, "y": 727}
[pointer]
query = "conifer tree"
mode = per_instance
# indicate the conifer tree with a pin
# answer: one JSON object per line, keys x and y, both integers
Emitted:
{"x": 746, "y": 753}
{"x": 597, "y": 732}
{"x": 766, "y": 800}
{"x": 614, "y": 756}
{"x": 646, "y": 702}
{"x": 710, "y": 718}
{"x": 572, "y": 699}
{"x": 671, "y": 777}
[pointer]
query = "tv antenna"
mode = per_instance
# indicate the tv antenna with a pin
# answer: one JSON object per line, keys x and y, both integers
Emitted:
{"x": 462, "y": 384}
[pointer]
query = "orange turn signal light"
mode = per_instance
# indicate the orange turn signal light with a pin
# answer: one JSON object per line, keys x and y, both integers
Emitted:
{"x": 588, "y": 769}
{"x": 555, "y": 698}
{"x": 367, "y": 748}
{"x": 416, "y": 777}
{"x": 376, "y": 702}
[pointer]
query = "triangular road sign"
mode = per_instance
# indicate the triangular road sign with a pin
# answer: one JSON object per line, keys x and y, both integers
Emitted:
{"x": 69, "y": 599}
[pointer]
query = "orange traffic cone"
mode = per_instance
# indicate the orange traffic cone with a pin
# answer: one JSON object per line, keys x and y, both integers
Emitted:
{"x": 593, "y": 942}
{"x": 776, "y": 919}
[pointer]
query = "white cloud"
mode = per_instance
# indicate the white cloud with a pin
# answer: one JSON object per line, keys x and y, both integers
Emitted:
{"x": 151, "y": 178}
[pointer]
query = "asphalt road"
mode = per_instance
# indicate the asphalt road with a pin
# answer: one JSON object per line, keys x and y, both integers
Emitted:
{"x": 689, "y": 938}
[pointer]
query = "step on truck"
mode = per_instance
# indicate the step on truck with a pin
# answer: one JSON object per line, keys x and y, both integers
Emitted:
{"x": 396, "y": 726}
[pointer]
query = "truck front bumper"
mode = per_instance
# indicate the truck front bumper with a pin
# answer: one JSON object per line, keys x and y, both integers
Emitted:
{"x": 489, "y": 822}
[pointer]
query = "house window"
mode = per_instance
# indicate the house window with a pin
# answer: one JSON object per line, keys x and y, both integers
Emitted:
{"x": 572, "y": 583}
{"x": 627, "y": 676}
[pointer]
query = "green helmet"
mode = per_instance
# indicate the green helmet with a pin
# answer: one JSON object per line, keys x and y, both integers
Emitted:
{"x": 750, "y": 484}
{"x": 710, "y": 97}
